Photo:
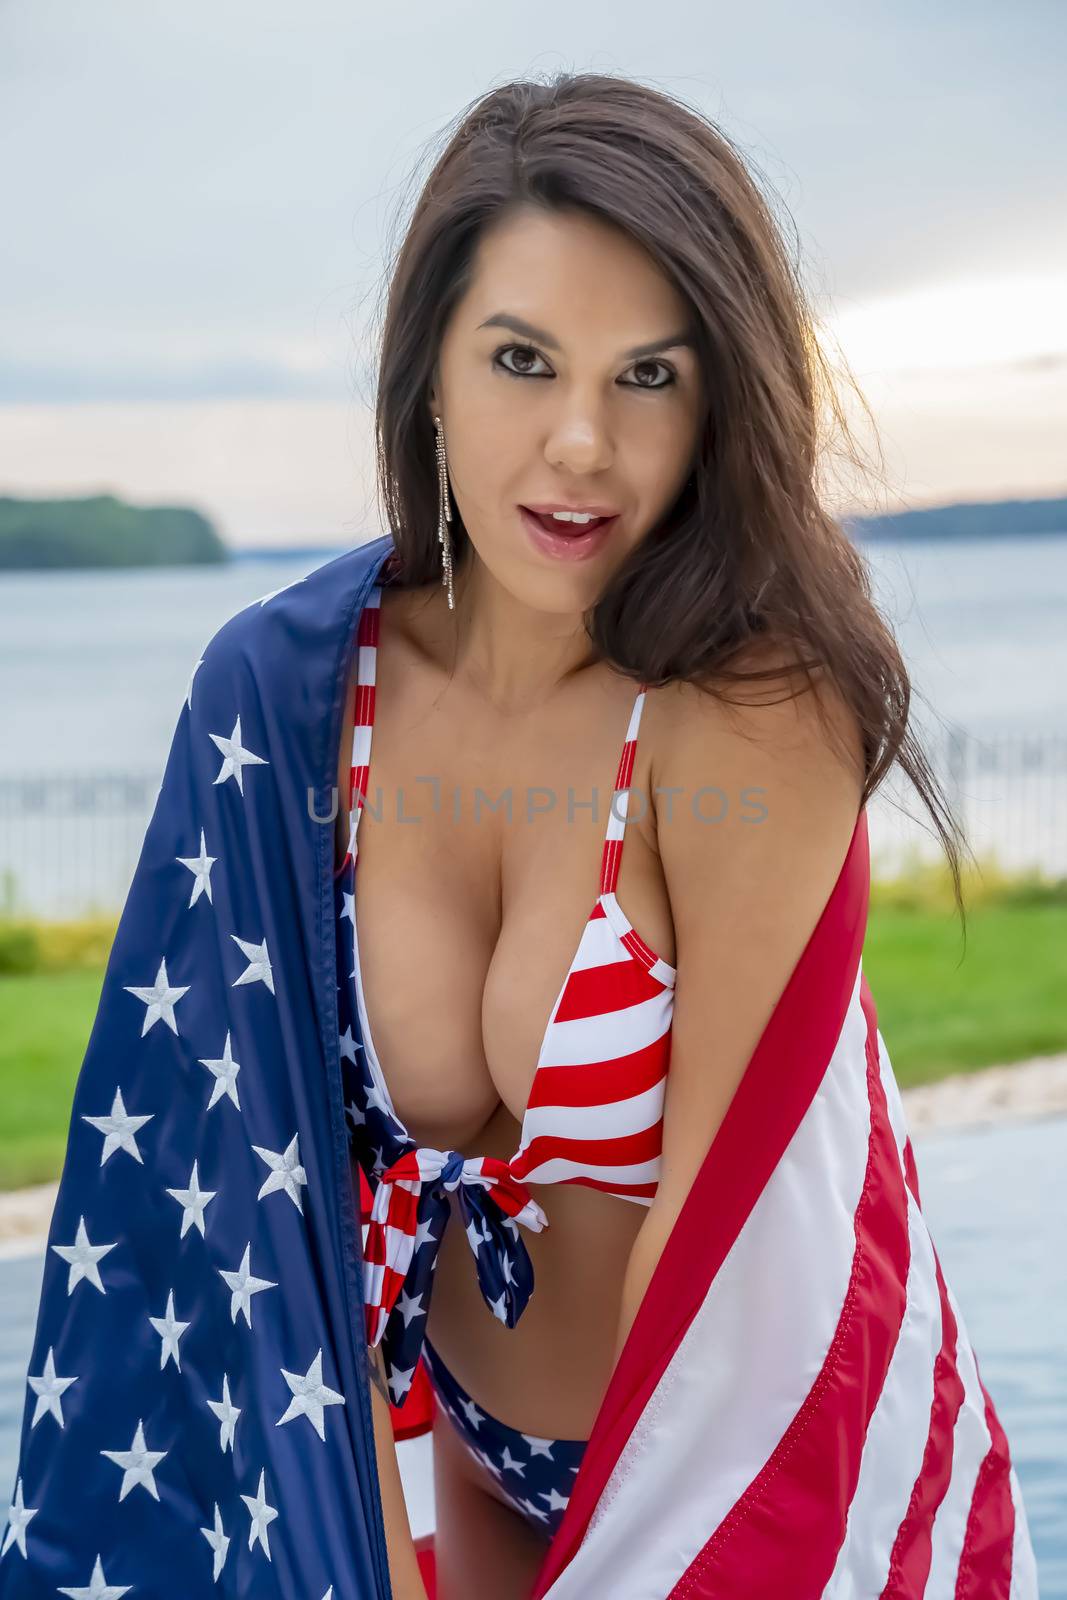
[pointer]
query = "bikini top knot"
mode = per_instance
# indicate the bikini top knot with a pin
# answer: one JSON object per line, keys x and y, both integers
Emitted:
{"x": 411, "y": 1211}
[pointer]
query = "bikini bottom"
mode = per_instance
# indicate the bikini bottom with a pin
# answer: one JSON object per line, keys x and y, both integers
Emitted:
{"x": 534, "y": 1474}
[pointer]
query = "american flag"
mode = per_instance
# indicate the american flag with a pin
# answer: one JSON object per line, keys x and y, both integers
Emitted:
{"x": 797, "y": 1411}
{"x": 197, "y": 1418}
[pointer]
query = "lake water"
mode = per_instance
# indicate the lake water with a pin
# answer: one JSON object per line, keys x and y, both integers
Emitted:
{"x": 993, "y": 1198}
{"x": 94, "y": 668}
{"x": 94, "y": 665}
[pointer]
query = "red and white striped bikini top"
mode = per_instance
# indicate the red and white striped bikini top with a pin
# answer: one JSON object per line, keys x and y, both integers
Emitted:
{"x": 595, "y": 1112}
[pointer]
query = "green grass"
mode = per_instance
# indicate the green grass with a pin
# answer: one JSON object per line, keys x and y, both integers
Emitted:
{"x": 47, "y": 1018}
{"x": 944, "y": 1008}
{"x": 941, "y": 1008}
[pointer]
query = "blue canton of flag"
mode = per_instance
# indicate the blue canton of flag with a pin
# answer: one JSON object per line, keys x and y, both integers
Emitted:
{"x": 197, "y": 1418}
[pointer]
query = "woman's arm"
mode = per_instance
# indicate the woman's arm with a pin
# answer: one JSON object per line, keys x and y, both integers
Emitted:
{"x": 783, "y": 785}
{"x": 404, "y": 1572}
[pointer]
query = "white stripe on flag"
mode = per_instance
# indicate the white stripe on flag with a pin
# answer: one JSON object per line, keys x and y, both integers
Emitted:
{"x": 970, "y": 1443}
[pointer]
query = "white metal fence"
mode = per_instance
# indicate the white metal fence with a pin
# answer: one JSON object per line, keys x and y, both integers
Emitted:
{"x": 69, "y": 843}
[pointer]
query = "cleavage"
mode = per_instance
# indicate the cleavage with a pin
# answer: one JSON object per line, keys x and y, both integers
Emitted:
{"x": 459, "y": 998}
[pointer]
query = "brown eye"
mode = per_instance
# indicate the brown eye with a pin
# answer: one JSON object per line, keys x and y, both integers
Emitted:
{"x": 652, "y": 365}
{"x": 524, "y": 352}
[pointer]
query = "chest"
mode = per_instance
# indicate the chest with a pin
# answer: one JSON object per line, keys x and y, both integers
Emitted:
{"x": 479, "y": 865}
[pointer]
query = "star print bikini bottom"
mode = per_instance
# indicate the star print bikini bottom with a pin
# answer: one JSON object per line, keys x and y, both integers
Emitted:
{"x": 535, "y": 1474}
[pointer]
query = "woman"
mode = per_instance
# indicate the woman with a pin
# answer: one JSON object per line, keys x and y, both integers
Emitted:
{"x": 594, "y": 315}
{"x": 619, "y": 1092}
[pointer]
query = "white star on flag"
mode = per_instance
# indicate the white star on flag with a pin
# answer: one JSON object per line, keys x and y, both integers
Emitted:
{"x": 200, "y": 866}
{"x": 227, "y": 1414}
{"x": 170, "y": 1332}
{"x": 409, "y": 1306}
{"x": 98, "y": 1587}
{"x": 423, "y": 1235}
{"x": 225, "y": 1070}
{"x": 19, "y": 1518}
{"x": 473, "y": 1415}
{"x": 194, "y": 1200}
{"x": 535, "y": 1511}
{"x": 258, "y": 969}
{"x": 486, "y": 1460}
{"x": 375, "y": 1100}
{"x": 265, "y": 597}
{"x": 219, "y": 1543}
{"x": 244, "y": 1286}
{"x": 160, "y": 999}
{"x": 236, "y": 757}
{"x": 262, "y": 1515}
{"x": 512, "y": 1462}
{"x": 348, "y": 1045}
{"x": 138, "y": 1464}
{"x": 189, "y": 687}
{"x": 497, "y": 1308}
{"x": 48, "y": 1389}
{"x": 539, "y": 1446}
{"x": 83, "y": 1257}
{"x": 400, "y": 1382}
{"x": 118, "y": 1129}
{"x": 476, "y": 1236}
{"x": 286, "y": 1172}
{"x": 310, "y": 1396}
{"x": 556, "y": 1501}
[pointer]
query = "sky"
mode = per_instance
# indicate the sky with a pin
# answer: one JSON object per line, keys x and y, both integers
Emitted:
{"x": 200, "y": 201}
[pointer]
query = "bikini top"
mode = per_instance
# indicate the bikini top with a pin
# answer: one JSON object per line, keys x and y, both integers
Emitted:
{"x": 595, "y": 1111}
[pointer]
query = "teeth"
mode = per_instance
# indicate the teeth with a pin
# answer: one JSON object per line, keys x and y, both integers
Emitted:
{"x": 573, "y": 516}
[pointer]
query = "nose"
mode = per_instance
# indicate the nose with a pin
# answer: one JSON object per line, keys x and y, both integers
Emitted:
{"x": 580, "y": 441}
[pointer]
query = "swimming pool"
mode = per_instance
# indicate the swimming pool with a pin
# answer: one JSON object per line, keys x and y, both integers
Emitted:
{"x": 994, "y": 1200}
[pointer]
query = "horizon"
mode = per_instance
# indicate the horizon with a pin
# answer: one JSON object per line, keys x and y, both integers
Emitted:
{"x": 212, "y": 345}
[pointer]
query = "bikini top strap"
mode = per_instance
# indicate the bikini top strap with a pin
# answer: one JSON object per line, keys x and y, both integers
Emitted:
{"x": 363, "y": 708}
{"x": 619, "y": 803}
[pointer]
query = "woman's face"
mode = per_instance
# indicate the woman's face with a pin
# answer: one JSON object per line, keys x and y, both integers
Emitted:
{"x": 543, "y": 401}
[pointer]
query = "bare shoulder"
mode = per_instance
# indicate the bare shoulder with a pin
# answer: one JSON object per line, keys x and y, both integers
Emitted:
{"x": 757, "y": 802}
{"x": 787, "y": 729}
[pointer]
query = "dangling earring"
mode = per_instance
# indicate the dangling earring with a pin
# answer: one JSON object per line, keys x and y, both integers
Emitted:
{"x": 444, "y": 514}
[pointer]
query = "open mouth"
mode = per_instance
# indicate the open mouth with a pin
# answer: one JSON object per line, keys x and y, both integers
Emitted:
{"x": 566, "y": 541}
{"x": 565, "y": 530}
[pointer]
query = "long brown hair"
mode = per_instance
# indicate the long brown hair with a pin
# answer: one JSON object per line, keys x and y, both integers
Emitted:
{"x": 749, "y": 551}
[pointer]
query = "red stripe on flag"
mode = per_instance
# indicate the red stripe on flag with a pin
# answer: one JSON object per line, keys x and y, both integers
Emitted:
{"x": 579, "y": 1086}
{"x": 622, "y": 1151}
{"x": 807, "y": 1483}
{"x": 612, "y": 986}
{"x": 645, "y": 1190}
{"x": 909, "y": 1562}
{"x": 985, "y": 1564}
{"x": 911, "y": 1171}
{"x": 368, "y": 630}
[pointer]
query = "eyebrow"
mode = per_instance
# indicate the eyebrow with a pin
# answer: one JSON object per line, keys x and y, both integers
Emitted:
{"x": 673, "y": 341}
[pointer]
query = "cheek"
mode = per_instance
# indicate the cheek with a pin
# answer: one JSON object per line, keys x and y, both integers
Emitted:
{"x": 657, "y": 465}
{"x": 479, "y": 459}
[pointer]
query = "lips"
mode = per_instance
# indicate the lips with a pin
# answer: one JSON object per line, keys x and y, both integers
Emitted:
{"x": 566, "y": 541}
